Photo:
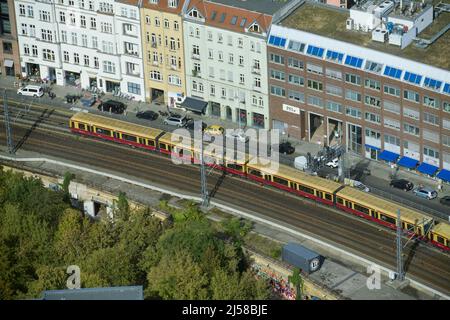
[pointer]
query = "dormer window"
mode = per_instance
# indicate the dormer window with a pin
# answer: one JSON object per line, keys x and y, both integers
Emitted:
{"x": 173, "y": 3}
{"x": 194, "y": 13}
{"x": 254, "y": 28}
{"x": 154, "y": 1}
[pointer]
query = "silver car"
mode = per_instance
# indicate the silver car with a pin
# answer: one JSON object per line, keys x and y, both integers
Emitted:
{"x": 175, "y": 121}
{"x": 426, "y": 193}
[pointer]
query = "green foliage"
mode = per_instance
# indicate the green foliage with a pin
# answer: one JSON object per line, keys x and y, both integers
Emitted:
{"x": 297, "y": 280}
{"x": 236, "y": 228}
{"x": 40, "y": 236}
{"x": 68, "y": 177}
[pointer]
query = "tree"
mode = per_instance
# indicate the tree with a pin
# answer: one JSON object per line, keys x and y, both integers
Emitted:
{"x": 236, "y": 229}
{"x": 48, "y": 278}
{"x": 297, "y": 280}
{"x": 177, "y": 276}
{"x": 121, "y": 207}
{"x": 68, "y": 177}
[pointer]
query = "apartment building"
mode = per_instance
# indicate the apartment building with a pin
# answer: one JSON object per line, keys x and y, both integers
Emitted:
{"x": 226, "y": 57}
{"x": 162, "y": 39}
{"x": 9, "y": 50}
{"x": 335, "y": 85}
{"x": 82, "y": 43}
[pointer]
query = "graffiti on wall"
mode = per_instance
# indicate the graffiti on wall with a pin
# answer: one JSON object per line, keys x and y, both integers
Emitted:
{"x": 279, "y": 284}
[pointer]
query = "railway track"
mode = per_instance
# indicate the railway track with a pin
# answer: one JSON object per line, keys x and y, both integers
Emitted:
{"x": 424, "y": 264}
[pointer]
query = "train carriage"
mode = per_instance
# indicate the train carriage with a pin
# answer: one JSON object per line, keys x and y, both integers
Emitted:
{"x": 115, "y": 130}
{"x": 382, "y": 211}
{"x": 293, "y": 180}
{"x": 440, "y": 236}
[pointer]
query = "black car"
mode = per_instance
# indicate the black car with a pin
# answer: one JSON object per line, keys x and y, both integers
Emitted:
{"x": 148, "y": 115}
{"x": 112, "y": 106}
{"x": 402, "y": 184}
{"x": 286, "y": 148}
{"x": 190, "y": 125}
{"x": 445, "y": 201}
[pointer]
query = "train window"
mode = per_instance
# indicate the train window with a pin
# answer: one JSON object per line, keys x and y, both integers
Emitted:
{"x": 72, "y": 124}
{"x": 103, "y": 131}
{"x": 81, "y": 126}
{"x": 328, "y": 196}
{"x": 141, "y": 140}
{"x": 151, "y": 143}
{"x": 162, "y": 145}
{"x": 128, "y": 137}
{"x": 340, "y": 200}
{"x": 280, "y": 181}
{"x": 234, "y": 166}
{"x": 89, "y": 128}
{"x": 360, "y": 208}
{"x": 255, "y": 172}
{"x": 387, "y": 219}
{"x": 440, "y": 239}
{"x": 306, "y": 189}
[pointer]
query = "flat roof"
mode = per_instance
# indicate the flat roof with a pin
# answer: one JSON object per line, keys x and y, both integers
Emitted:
{"x": 331, "y": 23}
{"x": 442, "y": 229}
{"x": 383, "y": 206}
{"x": 262, "y": 6}
{"x": 110, "y": 293}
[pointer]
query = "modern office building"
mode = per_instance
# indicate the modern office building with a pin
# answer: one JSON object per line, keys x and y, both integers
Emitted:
{"x": 162, "y": 39}
{"x": 374, "y": 89}
{"x": 82, "y": 43}
{"x": 9, "y": 49}
{"x": 226, "y": 59}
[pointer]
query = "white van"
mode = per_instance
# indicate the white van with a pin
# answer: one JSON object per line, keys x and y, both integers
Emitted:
{"x": 34, "y": 91}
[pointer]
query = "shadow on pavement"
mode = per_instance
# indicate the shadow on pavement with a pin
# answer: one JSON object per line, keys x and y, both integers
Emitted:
{"x": 44, "y": 115}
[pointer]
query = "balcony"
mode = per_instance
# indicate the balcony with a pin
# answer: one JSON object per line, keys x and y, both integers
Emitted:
{"x": 133, "y": 73}
{"x": 256, "y": 70}
{"x": 196, "y": 73}
{"x": 155, "y": 63}
{"x": 132, "y": 53}
{"x": 195, "y": 56}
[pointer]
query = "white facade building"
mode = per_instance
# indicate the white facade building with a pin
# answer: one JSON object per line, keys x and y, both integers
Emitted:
{"x": 226, "y": 62}
{"x": 82, "y": 43}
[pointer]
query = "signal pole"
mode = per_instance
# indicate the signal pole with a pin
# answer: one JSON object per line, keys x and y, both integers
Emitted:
{"x": 400, "y": 273}
{"x": 9, "y": 142}
{"x": 204, "y": 186}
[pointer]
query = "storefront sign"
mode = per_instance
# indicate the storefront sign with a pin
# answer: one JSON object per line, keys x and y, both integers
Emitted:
{"x": 291, "y": 109}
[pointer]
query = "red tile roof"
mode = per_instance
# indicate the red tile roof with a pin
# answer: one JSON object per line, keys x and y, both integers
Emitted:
{"x": 206, "y": 8}
{"x": 163, "y": 5}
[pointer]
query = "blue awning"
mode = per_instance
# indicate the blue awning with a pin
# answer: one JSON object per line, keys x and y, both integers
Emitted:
{"x": 427, "y": 168}
{"x": 388, "y": 156}
{"x": 372, "y": 147}
{"x": 444, "y": 175}
{"x": 407, "y": 162}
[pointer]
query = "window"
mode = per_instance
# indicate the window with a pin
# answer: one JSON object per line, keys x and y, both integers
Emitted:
{"x": 76, "y": 58}
{"x": 392, "y": 90}
{"x": 62, "y": 17}
{"x": 212, "y": 90}
{"x": 277, "y": 75}
{"x": 334, "y": 106}
{"x": 257, "y": 83}
{"x": 353, "y": 112}
{"x": 410, "y": 129}
{"x": 230, "y": 58}
{"x": 392, "y": 140}
{"x": 74, "y": 38}
{"x": 134, "y": 88}
{"x": 72, "y": 19}
{"x": 84, "y": 41}
{"x": 83, "y": 21}
{"x": 430, "y": 118}
{"x": 21, "y": 10}
{"x": 411, "y": 95}
{"x": 372, "y": 101}
{"x": 446, "y": 106}
{"x": 173, "y": 3}
{"x": 106, "y": 27}
{"x": 352, "y": 95}
{"x": 315, "y": 101}
{"x": 32, "y": 30}
{"x": 48, "y": 55}
{"x": 333, "y": 74}
{"x": 297, "y": 80}
{"x": 353, "y": 78}
{"x": 431, "y": 102}
{"x": 44, "y": 15}
{"x": 373, "y": 66}
{"x": 391, "y": 123}
{"x": 220, "y": 56}
{"x": 156, "y": 75}
{"x": 296, "y": 96}
{"x": 240, "y": 42}
{"x": 427, "y": 151}
{"x": 230, "y": 76}
{"x": 411, "y": 113}
{"x": 241, "y": 78}
{"x": 24, "y": 29}
{"x": 63, "y": 36}
{"x": 333, "y": 90}
{"x": 391, "y": 106}
{"x": 372, "y": 84}
{"x": 277, "y": 91}
{"x": 295, "y": 64}
{"x": 315, "y": 85}
{"x": 109, "y": 67}
{"x": 241, "y": 60}
{"x": 430, "y": 135}
{"x": 372, "y": 117}
{"x": 93, "y": 23}
{"x": 66, "y": 56}
{"x": 46, "y": 35}
{"x": 34, "y": 50}
{"x": 314, "y": 68}
{"x": 96, "y": 64}
{"x": 372, "y": 134}
{"x": 275, "y": 58}
{"x": 446, "y": 140}
{"x": 166, "y": 24}
{"x": 26, "y": 49}
{"x": 86, "y": 60}
{"x": 296, "y": 46}
{"x": 94, "y": 42}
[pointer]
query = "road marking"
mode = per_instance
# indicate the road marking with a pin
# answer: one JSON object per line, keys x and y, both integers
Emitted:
{"x": 226, "y": 208}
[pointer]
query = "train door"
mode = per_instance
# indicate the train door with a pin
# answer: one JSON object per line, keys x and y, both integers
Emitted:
{"x": 89, "y": 128}
{"x": 116, "y": 135}
{"x": 319, "y": 194}
{"x": 348, "y": 204}
{"x": 268, "y": 177}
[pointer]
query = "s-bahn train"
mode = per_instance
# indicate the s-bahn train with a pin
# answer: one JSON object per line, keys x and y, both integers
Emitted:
{"x": 325, "y": 191}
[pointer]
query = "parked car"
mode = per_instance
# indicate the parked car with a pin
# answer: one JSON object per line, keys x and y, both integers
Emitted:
{"x": 333, "y": 163}
{"x": 112, "y": 106}
{"x": 238, "y": 134}
{"x": 402, "y": 184}
{"x": 175, "y": 121}
{"x": 445, "y": 201}
{"x": 190, "y": 125}
{"x": 148, "y": 115}
{"x": 425, "y": 192}
{"x": 286, "y": 148}
{"x": 361, "y": 186}
{"x": 30, "y": 90}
